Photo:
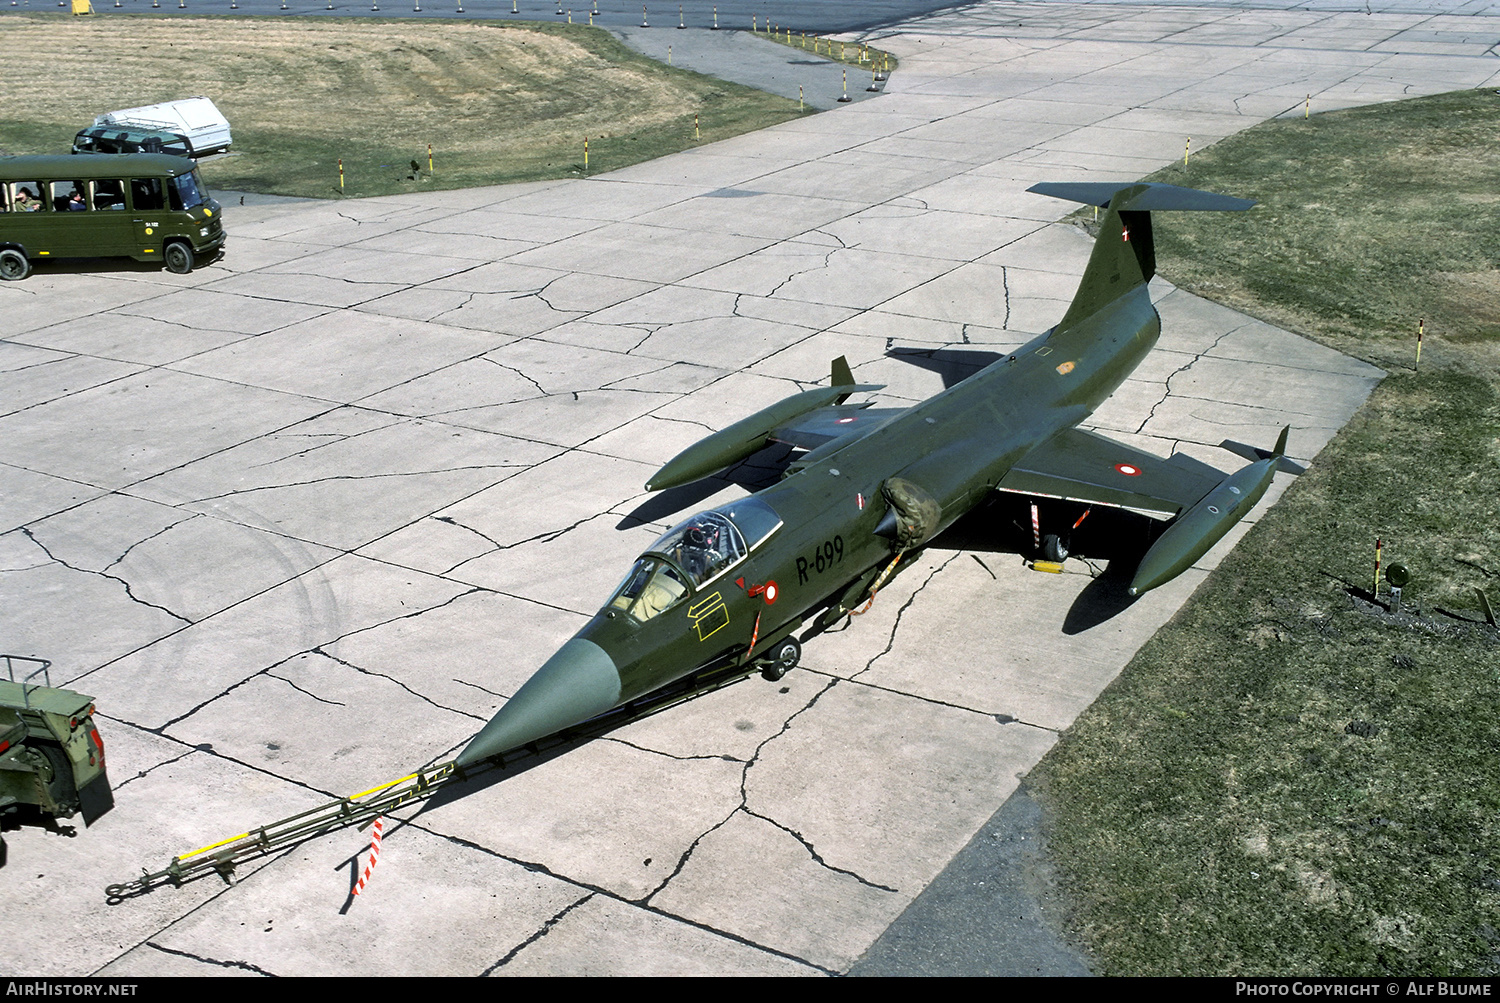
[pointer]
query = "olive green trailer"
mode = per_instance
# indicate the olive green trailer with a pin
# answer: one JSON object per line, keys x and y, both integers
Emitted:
{"x": 51, "y": 756}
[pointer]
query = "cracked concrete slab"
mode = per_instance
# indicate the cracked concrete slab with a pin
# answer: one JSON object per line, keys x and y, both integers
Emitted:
{"x": 470, "y": 388}
{"x": 625, "y": 834}
{"x": 604, "y": 936}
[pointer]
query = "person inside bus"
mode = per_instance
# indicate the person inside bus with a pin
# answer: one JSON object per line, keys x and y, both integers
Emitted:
{"x": 76, "y": 202}
{"x": 109, "y": 195}
{"x": 26, "y": 201}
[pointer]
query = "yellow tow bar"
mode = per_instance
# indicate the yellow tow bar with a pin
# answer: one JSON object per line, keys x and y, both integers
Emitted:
{"x": 351, "y": 811}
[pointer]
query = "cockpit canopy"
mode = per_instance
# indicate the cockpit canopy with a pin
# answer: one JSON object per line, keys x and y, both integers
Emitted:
{"x": 693, "y": 553}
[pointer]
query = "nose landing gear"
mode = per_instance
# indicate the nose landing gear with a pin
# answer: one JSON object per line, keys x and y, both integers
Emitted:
{"x": 781, "y": 659}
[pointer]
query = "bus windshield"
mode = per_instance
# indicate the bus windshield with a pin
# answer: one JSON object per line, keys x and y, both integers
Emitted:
{"x": 187, "y": 191}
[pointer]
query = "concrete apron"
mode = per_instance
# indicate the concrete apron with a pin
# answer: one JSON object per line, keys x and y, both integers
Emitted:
{"x": 301, "y": 519}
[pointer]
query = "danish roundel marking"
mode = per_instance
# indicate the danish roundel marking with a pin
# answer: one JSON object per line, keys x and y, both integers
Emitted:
{"x": 1128, "y": 469}
{"x": 771, "y": 592}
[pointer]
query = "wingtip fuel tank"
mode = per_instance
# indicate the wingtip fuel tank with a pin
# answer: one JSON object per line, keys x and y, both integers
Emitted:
{"x": 750, "y": 435}
{"x": 1193, "y": 532}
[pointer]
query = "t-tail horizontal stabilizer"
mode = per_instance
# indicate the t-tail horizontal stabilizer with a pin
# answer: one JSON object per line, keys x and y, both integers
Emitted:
{"x": 749, "y": 435}
{"x": 1203, "y": 525}
{"x": 1125, "y": 249}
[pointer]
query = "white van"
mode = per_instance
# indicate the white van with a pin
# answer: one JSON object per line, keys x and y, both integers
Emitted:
{"x": 205, "y": 127}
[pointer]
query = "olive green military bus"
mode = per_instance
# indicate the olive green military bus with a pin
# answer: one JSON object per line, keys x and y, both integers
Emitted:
{"x": 147, "y": 206}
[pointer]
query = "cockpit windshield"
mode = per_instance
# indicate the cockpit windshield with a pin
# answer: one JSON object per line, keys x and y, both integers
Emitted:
{"x": 693, "y": 553}
{"x": 651, "y": 587}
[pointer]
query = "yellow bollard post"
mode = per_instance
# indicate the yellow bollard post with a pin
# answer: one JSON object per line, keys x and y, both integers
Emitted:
{"x": 680, "y": 22}
{"x": 800, "y": 105}
{"x": 429, "y": 158}
{"x": 1185, "y": 150}
{"x": 716, "y": 18}
{"x": 570, "y": 15}
{"x": 1375, "y": 592}
{"x": 591, "y": 19}
{"x": 846, "y": 88}
{"x": 754, "y": 24}
{"x": 1421, "y": 326}
{"x": 585, "y": 154}
{"x": 1307, "y": 107}
{"x": 341, "y": 174}
{"x": 669, "y": 55}
{"x": 696, "y": 133}
{"x": 644, "y": 22}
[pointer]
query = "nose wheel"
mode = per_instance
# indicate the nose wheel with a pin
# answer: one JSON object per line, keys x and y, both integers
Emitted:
{"x": 783, "y": 659}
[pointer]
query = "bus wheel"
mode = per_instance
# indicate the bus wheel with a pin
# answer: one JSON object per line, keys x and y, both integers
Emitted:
{"x": 179, "y": 257}
{"x": 13, "y": 265}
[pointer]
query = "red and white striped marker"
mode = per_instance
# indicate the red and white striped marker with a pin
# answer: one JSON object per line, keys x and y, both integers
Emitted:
{"x": 374, "y": 856}
{"x": 1036, "y": 528}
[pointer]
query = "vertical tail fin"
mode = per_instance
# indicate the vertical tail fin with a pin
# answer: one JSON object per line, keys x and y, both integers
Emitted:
{"x": 1124, "y": 255}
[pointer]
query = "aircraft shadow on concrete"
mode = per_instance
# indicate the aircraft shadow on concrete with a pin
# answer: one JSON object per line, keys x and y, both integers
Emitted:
{"x": 953, "y": 365}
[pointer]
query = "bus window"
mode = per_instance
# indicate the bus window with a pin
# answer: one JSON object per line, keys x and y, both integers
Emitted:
{"x": 23, "y": 196}
{"x": 109, "y": 195}
{"x": 186, "y": 192}
{"x": 67, "y": 196}
{"x": 146, "y": 194}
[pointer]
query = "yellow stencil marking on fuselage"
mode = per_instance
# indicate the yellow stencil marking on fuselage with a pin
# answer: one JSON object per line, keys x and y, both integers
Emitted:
{"x": 709, "y": 616}
{"x": 1065, "y": 368}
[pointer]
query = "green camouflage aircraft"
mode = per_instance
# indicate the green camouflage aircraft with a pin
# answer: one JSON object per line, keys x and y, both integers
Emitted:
{"x": 729, "y": 587}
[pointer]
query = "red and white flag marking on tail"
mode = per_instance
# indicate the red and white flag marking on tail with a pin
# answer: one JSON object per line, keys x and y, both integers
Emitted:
{"x": 359, "y": 886}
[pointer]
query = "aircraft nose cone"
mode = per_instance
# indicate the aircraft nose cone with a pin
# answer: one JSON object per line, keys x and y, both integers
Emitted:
{"x": 577, "y": 683}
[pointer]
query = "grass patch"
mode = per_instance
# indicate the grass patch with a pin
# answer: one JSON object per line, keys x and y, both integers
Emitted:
{"x": 1214, "y": 811}
{"x": 498, "y": 101}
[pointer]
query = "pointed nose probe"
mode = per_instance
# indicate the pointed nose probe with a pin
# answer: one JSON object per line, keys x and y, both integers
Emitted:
{"x": 577, "y": 683}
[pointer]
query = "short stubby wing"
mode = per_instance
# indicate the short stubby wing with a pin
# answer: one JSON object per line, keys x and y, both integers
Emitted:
{"x": 1081, "y": 466}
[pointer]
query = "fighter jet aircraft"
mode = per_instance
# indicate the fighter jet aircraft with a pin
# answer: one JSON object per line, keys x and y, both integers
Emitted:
{"x": 730, "y": 587}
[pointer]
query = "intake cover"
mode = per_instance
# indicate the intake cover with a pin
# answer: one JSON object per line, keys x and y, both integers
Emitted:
{"x": 916, "y": 512}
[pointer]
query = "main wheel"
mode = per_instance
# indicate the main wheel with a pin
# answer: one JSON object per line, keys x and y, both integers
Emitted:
{"x": 1054, "y": 549}
{"x": 13, "y": 265}
{"x": 784, "y": 658}
{"x": 55, "y": 781}
{"x": 179, "y": 257}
